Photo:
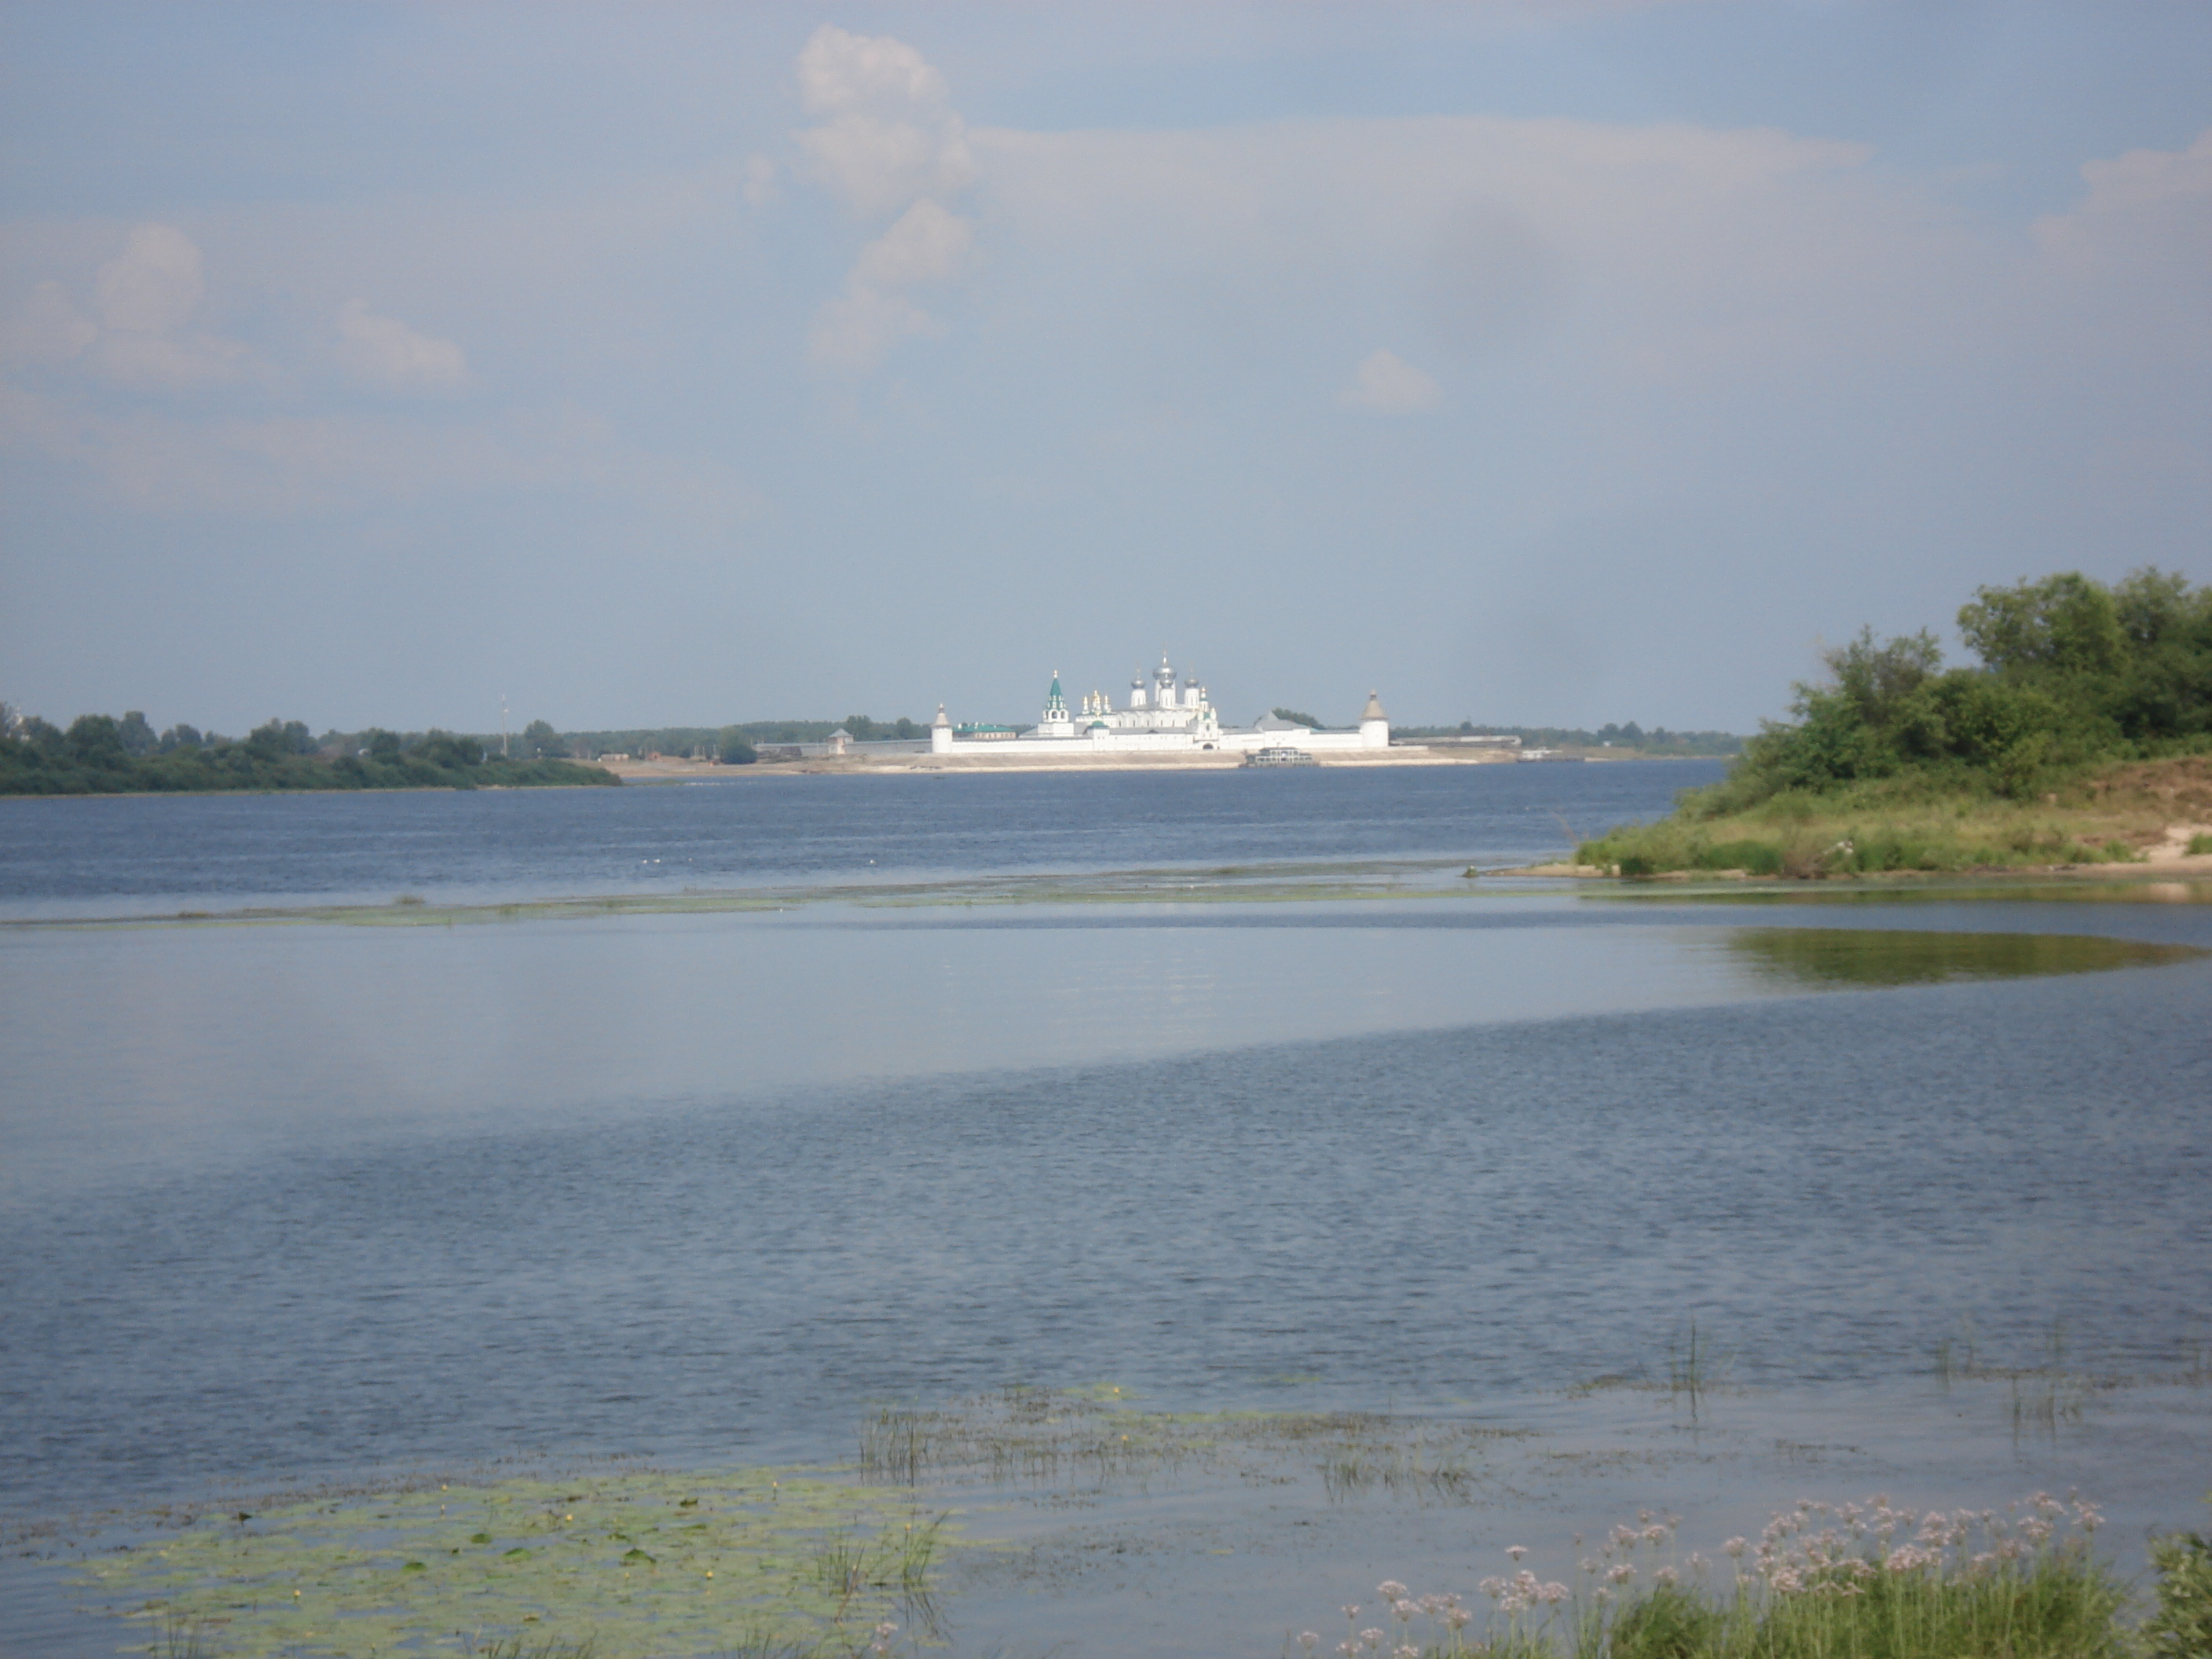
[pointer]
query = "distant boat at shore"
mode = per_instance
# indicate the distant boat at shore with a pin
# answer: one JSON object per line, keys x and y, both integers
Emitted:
{"x": 1279, "y": 755}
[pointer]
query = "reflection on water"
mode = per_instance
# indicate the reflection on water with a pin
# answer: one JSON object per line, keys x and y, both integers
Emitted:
{"x": 1833, "y": 957}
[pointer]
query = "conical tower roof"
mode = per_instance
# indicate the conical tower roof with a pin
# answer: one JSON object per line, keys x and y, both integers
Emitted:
{"x": 1374, "y": 709}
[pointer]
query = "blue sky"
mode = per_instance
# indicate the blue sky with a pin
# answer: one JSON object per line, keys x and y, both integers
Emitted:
{"x": 666, "y": 364}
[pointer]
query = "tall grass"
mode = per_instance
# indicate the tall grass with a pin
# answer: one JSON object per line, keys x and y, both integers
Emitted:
{"x": 1837, "y": 844}
{"x": 1856, "y": 1582}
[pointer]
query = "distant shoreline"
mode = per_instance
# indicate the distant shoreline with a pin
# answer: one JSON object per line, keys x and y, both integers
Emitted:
{"x": 655, "y": 772}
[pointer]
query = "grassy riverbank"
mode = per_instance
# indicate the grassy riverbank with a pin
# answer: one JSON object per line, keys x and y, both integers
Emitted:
{"x": 2083, "y": 737}
{"x": 2129, "y": 813}
{"x": 1821, "y": 1582}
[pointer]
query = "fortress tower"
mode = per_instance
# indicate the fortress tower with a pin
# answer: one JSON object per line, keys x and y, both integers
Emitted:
{"x": 1374, "y": 725}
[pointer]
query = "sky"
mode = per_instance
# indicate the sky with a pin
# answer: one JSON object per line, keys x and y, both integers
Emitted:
{"x": 660, "y": 364}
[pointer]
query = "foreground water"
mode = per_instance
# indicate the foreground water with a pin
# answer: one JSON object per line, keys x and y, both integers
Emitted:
{"x": 291, "y": 1204}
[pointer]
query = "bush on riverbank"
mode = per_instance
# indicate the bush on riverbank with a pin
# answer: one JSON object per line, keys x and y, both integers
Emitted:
{"x": 1896, "y": 762}
{"x": 2181, "y": 1628}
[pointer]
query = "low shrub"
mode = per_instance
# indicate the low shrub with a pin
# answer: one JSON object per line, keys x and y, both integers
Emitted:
{"x": 2181, "y": 1627}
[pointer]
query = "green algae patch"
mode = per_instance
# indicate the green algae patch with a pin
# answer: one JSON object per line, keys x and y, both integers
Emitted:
{"x": 1275, "y": 884}
{"x": 639, "y": 1565}
{"x": 1837, "y": 957}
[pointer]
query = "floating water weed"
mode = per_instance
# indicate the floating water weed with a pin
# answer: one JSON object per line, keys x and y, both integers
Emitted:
{"x": 1091, "y": 1438}
{"x": 1416, "y": 1470}
{"x": 643, "y": 1563}
{"x": 1690, "y": 1366}
{"x": 182, "y": 1638}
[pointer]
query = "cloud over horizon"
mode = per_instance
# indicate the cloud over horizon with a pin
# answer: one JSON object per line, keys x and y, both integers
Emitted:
{"x": 896, "y": 293}
{"x": 890, "y": 142}
{"x": 1386, "y": 384}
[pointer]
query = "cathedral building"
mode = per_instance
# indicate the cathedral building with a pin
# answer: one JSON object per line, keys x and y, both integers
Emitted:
{"x": 1165, "y": 714}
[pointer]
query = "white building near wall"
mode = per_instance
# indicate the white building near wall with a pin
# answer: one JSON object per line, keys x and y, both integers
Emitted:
{"x": 1164, "y": 715}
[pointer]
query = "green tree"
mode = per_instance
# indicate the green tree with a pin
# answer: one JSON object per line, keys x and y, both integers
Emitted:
{"x": 541, "y": 742}
{"x": 274, "y": 739}
{"x": 1295, "y": 718}
{"x": 97, "y": 741}
{"x": 138, "y": 739}
{"x": 449, "y": 751}
{"x": 736, "y": 750}
{"x": 2065, "y": 623}
{"x": 43, "y": 736}
{"x": 1877, "y": 680}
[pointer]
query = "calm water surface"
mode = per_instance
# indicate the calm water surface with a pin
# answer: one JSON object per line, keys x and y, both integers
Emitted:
{"x": 286, "y": 1203}
{"x": 77, "y": 857}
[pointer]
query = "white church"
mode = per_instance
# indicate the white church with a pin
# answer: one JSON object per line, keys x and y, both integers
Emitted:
{"x": 1164, "y": 715}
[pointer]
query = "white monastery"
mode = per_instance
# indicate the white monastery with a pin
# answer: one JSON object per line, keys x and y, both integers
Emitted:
{"x": 1163, "y": 716}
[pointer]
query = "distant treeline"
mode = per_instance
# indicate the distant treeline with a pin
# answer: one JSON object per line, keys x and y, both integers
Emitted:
{"x": 1657, "y": 741}
{"x": 734, "y": 745}
{"x": 99, "y": 754}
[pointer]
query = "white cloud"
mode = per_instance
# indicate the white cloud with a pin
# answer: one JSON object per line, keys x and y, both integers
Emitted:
{"x": 48, "y": 327}
{"x": 2139, "y": 244}
{"x": 1386, "y": 384}
{"x": 385, "y": 351}
{"x": 2147, "y": 177}
{"x": 890, "y": 136}
{"x": 854, "y": 332}
{"x": 927, "y": 244}
{"x": 1654, "y": 253}
{"x": 283, "y": 465}
{"x": 145, "y": 298}
{"x": 840, "y": 71}
{"x": 891, "y": 143}
{"x": 155, "y": 284}
{"x": 172, "y": 361}
{"x": 760, "y": 187}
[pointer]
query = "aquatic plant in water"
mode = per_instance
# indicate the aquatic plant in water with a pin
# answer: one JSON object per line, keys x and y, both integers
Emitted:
{"x": 622, "y": 1566}
{"x": 1095, "y": 1437}
{"x": 1871, "y": 1581}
